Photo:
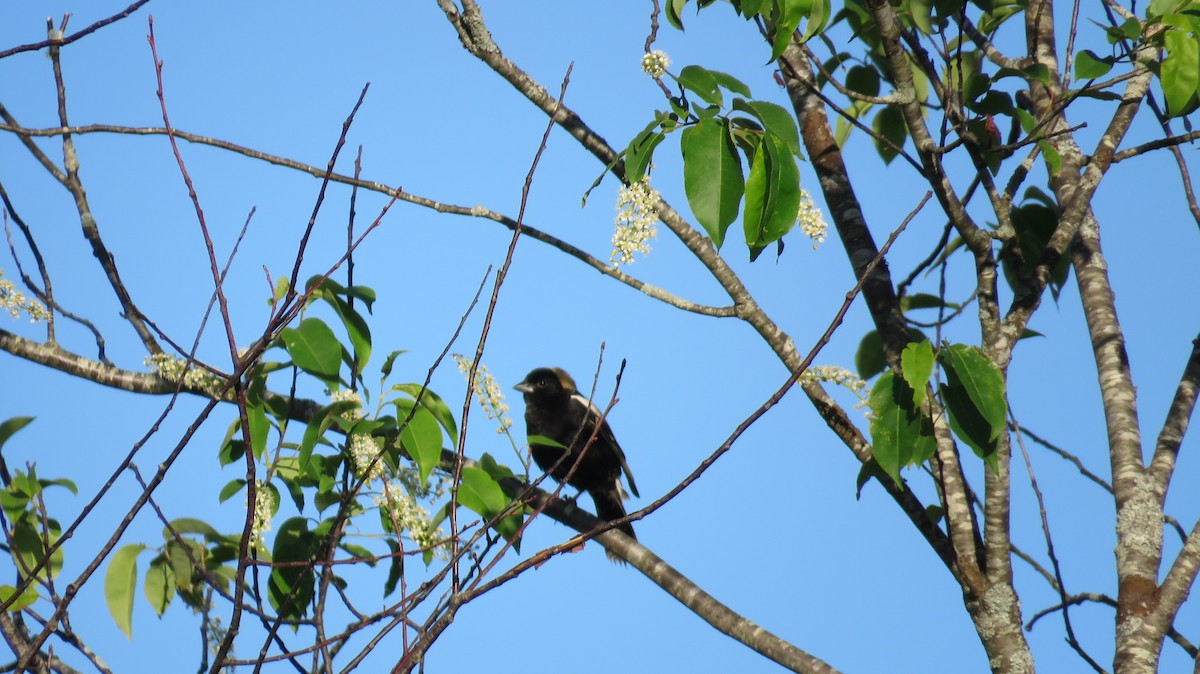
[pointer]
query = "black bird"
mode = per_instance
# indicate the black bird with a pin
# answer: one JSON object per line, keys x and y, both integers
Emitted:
{"x": 554, "y": 409}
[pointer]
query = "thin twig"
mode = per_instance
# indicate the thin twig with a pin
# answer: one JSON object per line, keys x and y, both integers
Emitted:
{"x": 64, "y": 41}
{"x": 1062, "y": 588}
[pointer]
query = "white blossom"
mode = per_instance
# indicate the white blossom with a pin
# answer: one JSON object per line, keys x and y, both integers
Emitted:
{"x": 16, "y": 303}
{"x": 410, "y": 517}
{"x": 264, "y": 510}
{"x": 353, "y": 414}
{"x": 655, "y": 63}
{"x": 810, "y": 219}
{"x": 488, "y": 392}
{"x": 175, "y": 369}
{"x": 363, "y": 450}
{"x": 637, "y": 220}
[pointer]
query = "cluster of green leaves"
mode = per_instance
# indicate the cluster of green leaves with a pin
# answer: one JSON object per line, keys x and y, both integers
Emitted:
{"x": 410, "y": 424}
{"x": 982, "y": 92}
{"x": 1034, "y": 221}
{"x": 783, "y": 17}
{"x": 970, "y": 389}
{"x": 192, "y": 556}
{"x": 714, "y": 139}
{"x": 1172, "y": 26}
{"x": 31, "y": 531}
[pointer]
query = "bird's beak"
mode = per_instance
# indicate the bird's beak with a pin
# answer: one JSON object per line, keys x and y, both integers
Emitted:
{"x": 524, "y": 387}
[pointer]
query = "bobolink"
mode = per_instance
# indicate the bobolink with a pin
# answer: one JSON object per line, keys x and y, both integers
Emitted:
{"x": 554, "y": 409}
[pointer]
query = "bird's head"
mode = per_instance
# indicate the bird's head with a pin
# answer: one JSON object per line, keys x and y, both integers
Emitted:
{"x": 547, "y": 383}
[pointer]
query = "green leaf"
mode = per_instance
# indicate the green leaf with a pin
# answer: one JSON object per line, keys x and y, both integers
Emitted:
{"x": 480, "y": 492}
{"x": 434, "y": 403}
{"x": 1001, "y": 12}
{"x": 290, "y": 588}
{"x": 916, "y": 364}
{"x": 1038, "y": 72}
{"x": 1158, "y": 8}
{"x": 673, "y": 9}
{"x": 772, "y": 194}
{"x": 315, "y": 431}
{"x": 890, "y": 124}
{"x": 188, "y": 582}
{"x": 1034, "y": 222}
{"x": 974, "y": 396}
{"x": 496, "y": 470}
{"x": 29, "y": 547}
{"x": 422, "y": 439}
{"x": 730, "y": 82}
{"x": 818, "y": 18}
{"x": 707, "y": 84}
{"x": 968, "y": 424}
{"x": 1180, "y": 72}
{"x": 1089, "y": 66}
{"x": 367, "y": 295}
{"x": 869, "y": 359}
{"x": 27, "y": 598}
{"x": 1053, "y": 158}
{"x": 256, "y": 416}
{"x": 119, "y": 582}
{"x": 232, "y": 487}
{"x": 774, "y": 118}
{"x": 231, "y": 449}
{"x": 641, "y": 151}
{"x": 281, "y": 289}
{"x": 386, "y": 370}
{"x": 190, "y": 525}
{"x": 359, "y": 552}
{"x": 922, "y": 15}
{"x": 159, "y": 584}
{"x": 11, "y": 426}
{"x": 924, "y": 301}
{"x": 791, "y": 13}
{"x": 1131, "y": 29}
{"x": 543, "y": 440}
{"x": 870, "y": 469}
{"x": 701, "y": 82}
{"x": 984, "y": 383}
{"x": 712, "y": 176}
{"x": 395, "y": 568}
{"x": 863, "y": 80}
{"x": 314, "y": 349}
{"x": 356, "y": 328}
{"x": 61, "y": 482}
{"x": 900, "y": 432}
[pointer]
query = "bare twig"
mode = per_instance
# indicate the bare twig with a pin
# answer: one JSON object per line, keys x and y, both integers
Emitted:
{"x": 59, "y": 41}
{"x": 1062, "y": 590}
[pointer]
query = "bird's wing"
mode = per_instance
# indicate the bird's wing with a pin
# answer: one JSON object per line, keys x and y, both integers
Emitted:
{"x": 606, "y": 434}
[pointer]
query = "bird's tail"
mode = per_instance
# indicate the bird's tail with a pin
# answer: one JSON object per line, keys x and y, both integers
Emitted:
{"x": 609, "y": 508}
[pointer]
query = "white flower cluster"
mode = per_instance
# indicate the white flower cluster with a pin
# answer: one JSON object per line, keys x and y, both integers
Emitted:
{"x": 810, "y": 219}
{"x": 264, "y": 509}
{"x": 839, "y": 376}
{"x": 655, "y": 63}
{"x": 16, "y": 303}
{"x": 348, "y": 394}
{"x": 174, "y": 369}
{"x": 488, "y": 392}
{"x": 834, "y": 375}
{"x": 409, "y": 516}
{"x": 637, "y": 219}
{"x": 433, "y": 489}
{"x": 363, "y": 450}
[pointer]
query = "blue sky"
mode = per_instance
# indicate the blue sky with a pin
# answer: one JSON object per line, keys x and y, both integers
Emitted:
{"x": 773, "y": 529}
